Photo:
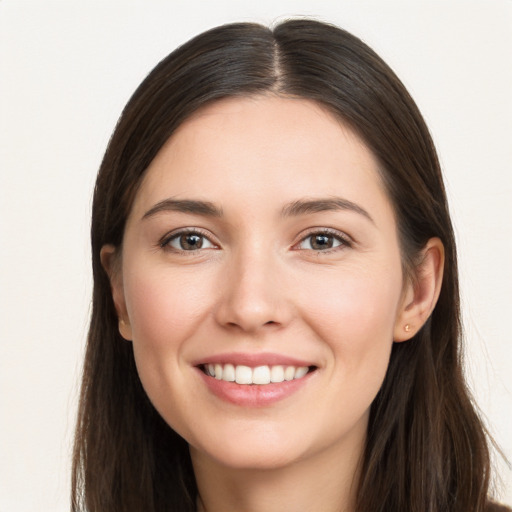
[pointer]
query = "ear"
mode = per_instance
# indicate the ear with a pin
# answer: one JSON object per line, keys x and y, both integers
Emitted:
{"x": 110, "y": 261}
{"x": 421, "y": 293}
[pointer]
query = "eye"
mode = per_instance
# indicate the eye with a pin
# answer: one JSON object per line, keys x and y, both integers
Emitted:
{"x": 188, "y": 241}
{"x": 322, "y": 241}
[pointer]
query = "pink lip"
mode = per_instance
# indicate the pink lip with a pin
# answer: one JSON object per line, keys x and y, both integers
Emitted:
{"x": 253, "y": 360}
{"x": 252, "y": 395}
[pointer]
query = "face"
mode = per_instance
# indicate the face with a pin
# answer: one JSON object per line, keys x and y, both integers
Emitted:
{"x": 261, "y": 282}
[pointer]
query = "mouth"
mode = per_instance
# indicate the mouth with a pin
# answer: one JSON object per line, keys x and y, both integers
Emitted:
{"x": 255, "y": 380}
{"x": 255, "y": 376}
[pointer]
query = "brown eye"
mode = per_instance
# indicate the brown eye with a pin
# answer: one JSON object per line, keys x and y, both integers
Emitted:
{"x": 322, "y": 242}
{"x": 189, "y": 241}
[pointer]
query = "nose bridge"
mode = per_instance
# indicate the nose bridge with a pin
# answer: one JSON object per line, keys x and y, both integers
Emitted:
{"x": 251, "y": 295}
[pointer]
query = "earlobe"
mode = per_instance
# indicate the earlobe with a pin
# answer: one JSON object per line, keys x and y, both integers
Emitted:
{"x": 125, "y": 330}
{"x": 421, "y": 293}
{"x": 110, "y": 262}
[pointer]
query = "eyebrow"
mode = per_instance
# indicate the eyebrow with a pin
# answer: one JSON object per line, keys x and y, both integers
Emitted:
{"x": 204, "y": 208}
{"x": 305, "y": 206}
{"x": 296, "y": 208}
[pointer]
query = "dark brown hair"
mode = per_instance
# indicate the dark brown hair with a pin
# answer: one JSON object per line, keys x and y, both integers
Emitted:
{"x": 426, "y": 448}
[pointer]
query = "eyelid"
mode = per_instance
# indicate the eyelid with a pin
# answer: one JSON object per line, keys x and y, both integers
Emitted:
{"x": 346, "y": 240}
{"x": 164, "y": 241}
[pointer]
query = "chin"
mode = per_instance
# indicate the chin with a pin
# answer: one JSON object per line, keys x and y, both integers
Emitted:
{"x": 259, "y": 450}
{"x": 253, "y": 458}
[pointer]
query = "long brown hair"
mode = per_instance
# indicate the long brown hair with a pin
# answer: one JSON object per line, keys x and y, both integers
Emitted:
{"x": 426, "y": 448}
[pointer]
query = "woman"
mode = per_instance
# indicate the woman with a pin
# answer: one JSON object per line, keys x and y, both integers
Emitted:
{"x": 275, "y": 317}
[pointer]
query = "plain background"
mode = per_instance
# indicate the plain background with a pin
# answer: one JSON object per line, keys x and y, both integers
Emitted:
{"x": 66, "y": 70}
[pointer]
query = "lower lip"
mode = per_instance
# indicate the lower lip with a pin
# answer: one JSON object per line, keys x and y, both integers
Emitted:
{"x": 253, "y": 395}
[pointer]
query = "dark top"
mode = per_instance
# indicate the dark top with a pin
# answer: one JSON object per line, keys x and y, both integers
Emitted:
{"x": 495, "y": 507}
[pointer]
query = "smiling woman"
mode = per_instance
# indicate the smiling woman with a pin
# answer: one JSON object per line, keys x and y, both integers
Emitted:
{"x": 276, "y": 317}
{"x": 306, "y": 293}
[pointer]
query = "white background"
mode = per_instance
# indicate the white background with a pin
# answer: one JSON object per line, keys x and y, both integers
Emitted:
{"x": 66, "y": 71}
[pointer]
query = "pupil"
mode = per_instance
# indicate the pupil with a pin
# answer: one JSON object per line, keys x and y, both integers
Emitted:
{"x": 322, "y": 242}
{"x": 191, "y": 241}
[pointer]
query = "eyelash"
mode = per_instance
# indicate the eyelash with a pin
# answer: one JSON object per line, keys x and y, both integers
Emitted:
{"x": 165, "y": 241}
{"x": 345, "y": 241}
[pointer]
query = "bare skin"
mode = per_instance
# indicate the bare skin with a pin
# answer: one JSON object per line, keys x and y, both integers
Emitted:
{"x": 262, "y": 227}
{"x": 318, "y": 484}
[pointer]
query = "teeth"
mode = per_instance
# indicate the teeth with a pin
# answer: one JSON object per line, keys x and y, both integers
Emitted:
{"x": 243, "y": 375}
{"x": 300, "y": 372}
{"x": 260, "y": 375}
{"x": 276, "y": 374}
{"x": 228, "y": 373}
{"x": 289, "y": 373}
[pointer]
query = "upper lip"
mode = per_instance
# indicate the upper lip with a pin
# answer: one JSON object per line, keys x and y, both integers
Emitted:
{"x": 253, "y": 360}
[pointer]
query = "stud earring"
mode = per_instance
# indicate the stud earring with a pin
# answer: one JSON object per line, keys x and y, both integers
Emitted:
{"x": 407, "y": 328}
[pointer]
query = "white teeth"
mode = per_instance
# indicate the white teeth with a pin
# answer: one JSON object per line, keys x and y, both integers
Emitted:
{"x": 289, "y": 373}
{"x": 218, "y": 371}
{"x": 228, "y": 373}
{"x": 243, "y": 375}
{"x": 300, "y": 372}
{"x": 260, "y": 375}
{"x": 276, "y": 374}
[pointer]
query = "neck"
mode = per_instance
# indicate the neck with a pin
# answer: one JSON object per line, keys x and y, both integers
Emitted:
{"x": 326, "y": 481}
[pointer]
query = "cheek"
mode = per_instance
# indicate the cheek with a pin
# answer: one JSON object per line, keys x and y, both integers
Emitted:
{"x": 162, "y": 307}
{"x": 164, "y": 310}
{"x": 356, "y": 306}
{"x": 355, "y": 316}
{"x": 355, "y": 319}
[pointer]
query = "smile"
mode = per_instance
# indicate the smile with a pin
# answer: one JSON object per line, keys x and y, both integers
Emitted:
{"x": 260, "y": 375}
{"x": 255, "y": 380}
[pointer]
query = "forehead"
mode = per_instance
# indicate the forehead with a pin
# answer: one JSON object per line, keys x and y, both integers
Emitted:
{"x": 259, "y": 148}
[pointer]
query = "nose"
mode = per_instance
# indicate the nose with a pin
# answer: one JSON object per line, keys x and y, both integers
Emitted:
{"x": 253, "y": 295}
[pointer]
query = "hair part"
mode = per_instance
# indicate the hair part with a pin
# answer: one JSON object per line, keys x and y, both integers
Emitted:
{"x": 426, "y": 448}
